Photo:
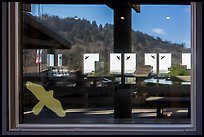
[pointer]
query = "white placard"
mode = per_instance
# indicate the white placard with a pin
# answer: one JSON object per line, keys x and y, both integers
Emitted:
{"x": 115, "y": 63}
{"x": 151, "y": 59}
{"x": 89, "y": 62}
{"x": 164, "y": 62}
{"x": 186, "y": 60}
{"x": 130, "y": 62}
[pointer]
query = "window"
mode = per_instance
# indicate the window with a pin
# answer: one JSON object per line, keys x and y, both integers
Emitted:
{"x": 44, "y": 63}
{"x": 159, "y": 45}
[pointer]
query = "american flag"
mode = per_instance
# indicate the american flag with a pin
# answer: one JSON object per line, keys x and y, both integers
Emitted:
{"x": 38, "y": 56}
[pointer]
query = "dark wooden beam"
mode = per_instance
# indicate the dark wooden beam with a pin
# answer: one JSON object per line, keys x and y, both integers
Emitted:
{"x": 122, "y": 33}
{"x": 122, "y": 28}
{"x": 26, "y": 7}
{"x": 33, "y": 28}
{"x": 136, "y": 7}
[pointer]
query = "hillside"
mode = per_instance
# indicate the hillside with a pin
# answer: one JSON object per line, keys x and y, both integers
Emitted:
{"x": 89, "y": 37}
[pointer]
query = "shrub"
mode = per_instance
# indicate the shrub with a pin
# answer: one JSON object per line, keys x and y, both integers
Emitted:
{"x": 178, "y": 70}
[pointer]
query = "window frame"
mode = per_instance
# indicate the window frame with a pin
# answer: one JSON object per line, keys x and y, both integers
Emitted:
{"x": 11, "y": 81}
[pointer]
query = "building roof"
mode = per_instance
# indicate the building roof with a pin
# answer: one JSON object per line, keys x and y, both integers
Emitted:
{"x": 37, "y": 35}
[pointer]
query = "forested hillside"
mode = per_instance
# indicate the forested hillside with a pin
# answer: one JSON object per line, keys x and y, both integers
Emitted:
{"x": 87, "y": 37}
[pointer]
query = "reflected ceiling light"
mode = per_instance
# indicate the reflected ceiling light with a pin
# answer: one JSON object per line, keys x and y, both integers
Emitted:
{"x": 122, "y": 18}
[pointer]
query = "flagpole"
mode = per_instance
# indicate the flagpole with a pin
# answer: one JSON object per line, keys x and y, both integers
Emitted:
{"x": 39, "y": 67}
{"x": 39, "y": 58}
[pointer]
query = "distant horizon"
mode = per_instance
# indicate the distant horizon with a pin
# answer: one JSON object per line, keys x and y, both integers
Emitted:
{"x": 172, "y": 24}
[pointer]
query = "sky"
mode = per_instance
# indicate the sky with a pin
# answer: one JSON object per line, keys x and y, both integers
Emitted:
{"x": 169, "y": 22}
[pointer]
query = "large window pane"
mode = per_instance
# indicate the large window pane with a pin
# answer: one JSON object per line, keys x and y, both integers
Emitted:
{"x": 162, "y": 44}
{"x": 73, "y": 75}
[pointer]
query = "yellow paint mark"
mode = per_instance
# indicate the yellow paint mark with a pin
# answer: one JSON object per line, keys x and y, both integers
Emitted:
{"x": 45, "y": 99}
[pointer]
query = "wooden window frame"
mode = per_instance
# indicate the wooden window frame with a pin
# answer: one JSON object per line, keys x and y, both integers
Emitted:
{"x": 11, "y": 81}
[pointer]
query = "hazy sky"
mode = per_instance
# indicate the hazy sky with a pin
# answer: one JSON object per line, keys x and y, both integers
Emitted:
{"x": 169, "y": 22}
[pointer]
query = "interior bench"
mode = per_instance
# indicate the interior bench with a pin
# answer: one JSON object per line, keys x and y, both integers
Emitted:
{"x": 161, "y": 102}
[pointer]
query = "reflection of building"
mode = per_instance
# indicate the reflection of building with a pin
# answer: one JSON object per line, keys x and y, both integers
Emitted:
{"x": 37, "y": 35}
{"x": 141, "y": 70}
{"x": 99, "y": 68}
